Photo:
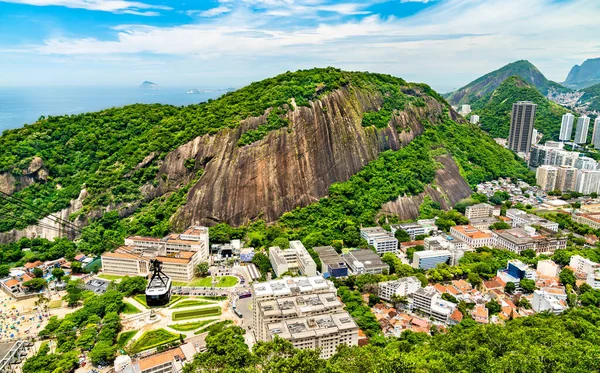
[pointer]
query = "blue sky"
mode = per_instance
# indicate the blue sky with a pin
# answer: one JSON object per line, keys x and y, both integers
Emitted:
{"x": 222, "y": 43}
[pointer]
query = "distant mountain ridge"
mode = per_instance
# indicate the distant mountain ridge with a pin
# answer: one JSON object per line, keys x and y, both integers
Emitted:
{"x": 495, "y": 108}
{"x": 486, "y": 84}
{"x": 584, "y": 76}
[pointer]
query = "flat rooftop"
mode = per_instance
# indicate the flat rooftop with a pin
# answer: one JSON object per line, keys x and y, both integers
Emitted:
{"x": 299, "y": 305}
{"x": 307, "y": 327}
{"x": 367, "y": 257}
{"x": 291, "y": 285}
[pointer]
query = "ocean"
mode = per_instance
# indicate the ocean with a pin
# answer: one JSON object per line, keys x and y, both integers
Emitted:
{"x": 24, "y": 105}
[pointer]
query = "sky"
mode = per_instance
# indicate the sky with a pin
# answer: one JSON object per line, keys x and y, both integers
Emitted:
{"x": 229, "y": 43}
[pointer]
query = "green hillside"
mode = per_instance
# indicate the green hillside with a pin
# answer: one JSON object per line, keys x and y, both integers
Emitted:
{"x": 486, "y": 84}
{"x": 495, "y": 109}
{"x": 591, "y": 97}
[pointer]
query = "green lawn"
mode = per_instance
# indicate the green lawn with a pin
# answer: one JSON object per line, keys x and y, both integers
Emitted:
{"x": 190, "y": 303}
{"x": 110, "y": 277}
{"x": 125, "y": 337}
{"x": 142, "y": 299}
{"x": 130, "y": 309}
{"x": 153, "y": 338}
{"x": 186, "y": 327}
{"x": 222, "y": 282}
{"x": 55, "y": 304}
{"x": 216, "y": 325}
{"x": 196, "y": 313}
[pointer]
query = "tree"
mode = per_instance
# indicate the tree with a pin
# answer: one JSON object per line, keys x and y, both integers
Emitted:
{"x": 529, "y": 253}
{"x": 474, "y": 279}
{"x": 449, "y": 297}
{"x": 527, "y": 285}
{"x": 201, "y": 270}
{"x": 493, "y": 306}
{"x": 132, "y": 285}
{"x": 4, "y": 270}
{"x": 401, "y": 235}
{"x": 35, "y": 284}
{"x": 76, "y": 267}
{"x": 567, "y": 277}
{"x": 262, "y": 262}
{"x": 500, "y": 225}
{"x": 373, "y": 300}
{"x": 74, "y": 292}
{"x": 103, "y": 352}
{"x": 58, "y": 273}
{"x": 510, "y": 287}
{"x": 38, "y": 273}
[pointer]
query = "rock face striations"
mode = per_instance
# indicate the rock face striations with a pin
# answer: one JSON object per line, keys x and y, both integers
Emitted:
{"x": 290, "y": 167}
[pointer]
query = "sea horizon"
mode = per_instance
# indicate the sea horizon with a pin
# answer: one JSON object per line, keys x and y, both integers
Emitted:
{"x": 21, "y": 105}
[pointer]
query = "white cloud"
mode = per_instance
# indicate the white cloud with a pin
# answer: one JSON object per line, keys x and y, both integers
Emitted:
{"x": 113, "y": 6}
{"x": 213, "y": 12}
{"x": 446, "y": 45}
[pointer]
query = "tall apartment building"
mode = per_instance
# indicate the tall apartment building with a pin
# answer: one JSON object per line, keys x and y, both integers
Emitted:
{"x": 587, "y": 181}
{"x": 585, "y": 163}
{"x": 566, "y": 127}
{"x": 382, "y": 240}
{"x": 474, "y": 119}
{"x": 430, "y": 302}
{"x": 583, "y": 124}
{"x": 521, "y": 126}
{"x": 566, "y": 179}
{"x": 124, "y": 262}
{"x": 296, "y": 258}
{"x": 481, "y": 210}
{"x": 401, "y": 287}
{"x": 304, "y": 311}
{"x": 545, "y": 177}
{"x": 596, "y": 134}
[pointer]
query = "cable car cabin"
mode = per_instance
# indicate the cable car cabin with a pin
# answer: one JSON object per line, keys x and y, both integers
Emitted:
{"x": 158, "y": 291}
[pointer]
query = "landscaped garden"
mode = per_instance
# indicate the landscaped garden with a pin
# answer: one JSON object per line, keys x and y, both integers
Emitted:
{"x": 196, "y": 313}
{"x": 186, "y": 327}
{"x": 110, "y": 277}
{"x": 125, "y": 337}
{"x": 222, "y": 282}
{"x": 216, "y": 325}
{"x": 130, "y": 309}
{"x": 190, "y": 303}
{"x": 153, "y": 338}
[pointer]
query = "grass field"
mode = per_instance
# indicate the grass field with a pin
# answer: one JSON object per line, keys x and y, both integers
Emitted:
{"x": 55, "y": 304}
{"x": 190, "y": 303}
{"x": 125, "y": 337}
{"x": 174, "y": 298}
{"x": 130, "y": 309}
{"x": 153, "y": 338}
{"x": 196, "y": 313}
{"x": 110, "y": 277}
{"x": 222, "y": 282}
{"x": 186, "y": 327}
{"x": 214, "y": 326}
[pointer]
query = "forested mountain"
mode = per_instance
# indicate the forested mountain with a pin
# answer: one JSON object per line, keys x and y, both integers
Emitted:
{"x": 591, "y": 98}
{"x": 486, "y": 84}
{"x": 495, "y": 109}
{"x": 279, "y": 145}
{"x": 585, "y": 75}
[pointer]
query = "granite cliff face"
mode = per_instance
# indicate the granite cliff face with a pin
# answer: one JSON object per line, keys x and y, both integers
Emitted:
{"x": 35, "y": 172}
{"x": 290, "y": 167}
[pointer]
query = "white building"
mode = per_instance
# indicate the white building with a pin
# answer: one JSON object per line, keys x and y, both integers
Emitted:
{"x": 195, "y": 238}
{"x": 481, "y": 210}
{"x": 430, "y": 302}
{"x": 519, "y": 239}
{"x": 296, "y": 258}
{"x": 382, "y": 240}
{"x": 428, "y": 259}
{"x": 474, "y": 119}
{"x": 596, "y": 134}
{"x": 544, "y": 300}
{"x": 465, "y": 110}
{"x": 421, "y": 227}
{"x": 522, "y": 219}
{"x": 401, "y": 287}
{"x": 582, "y": 265}
{"x": 364, "y": 261}
{"x": 566, "y": 127}
{"x": 472, "y": 236}
{"x": 547, "y": 268}
{"x": 304, "y": 311}
{"x": 585, "y": 163}
{"x": 587, "y": 182}
{"x": 583, "y": 124}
